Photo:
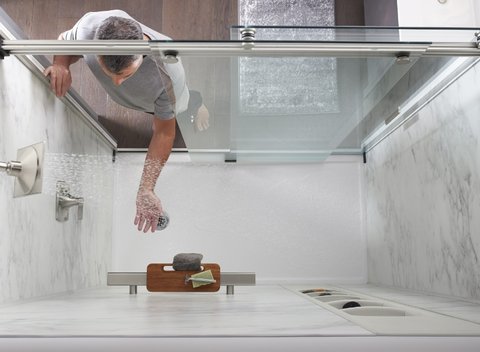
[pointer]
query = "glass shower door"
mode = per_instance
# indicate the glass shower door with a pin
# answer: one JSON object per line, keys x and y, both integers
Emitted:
{"x": 297, "y": 94}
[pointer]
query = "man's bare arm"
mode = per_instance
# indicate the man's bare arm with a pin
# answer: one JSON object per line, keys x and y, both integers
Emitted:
{"x": 59, "y": 72}
{"x": 149, "y": 207}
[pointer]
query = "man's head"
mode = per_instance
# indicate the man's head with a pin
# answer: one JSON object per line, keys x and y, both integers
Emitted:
{"x": 119, "y": 67}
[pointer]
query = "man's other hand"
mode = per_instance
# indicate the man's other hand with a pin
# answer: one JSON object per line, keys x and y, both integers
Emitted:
{"x": 60, "y": 79}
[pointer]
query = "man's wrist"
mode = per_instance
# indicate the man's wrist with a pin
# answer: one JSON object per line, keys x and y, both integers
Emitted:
{"x": 144, "y": 189}
{"x": 62, "y": 64}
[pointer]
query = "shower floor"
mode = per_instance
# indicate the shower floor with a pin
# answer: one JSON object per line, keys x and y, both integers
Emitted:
{"x": 260, "y": 318}
{"x": 253, "y": 311}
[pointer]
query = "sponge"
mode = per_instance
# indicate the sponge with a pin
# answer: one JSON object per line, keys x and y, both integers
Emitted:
{"x": 202, "y": 278}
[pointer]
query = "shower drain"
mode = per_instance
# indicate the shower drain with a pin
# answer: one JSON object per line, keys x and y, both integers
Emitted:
{"x": 383, "y": 317}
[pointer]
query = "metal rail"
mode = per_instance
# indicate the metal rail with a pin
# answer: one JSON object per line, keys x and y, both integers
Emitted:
{"x": 134, "y": 279}
{"x": 237, "y": 48}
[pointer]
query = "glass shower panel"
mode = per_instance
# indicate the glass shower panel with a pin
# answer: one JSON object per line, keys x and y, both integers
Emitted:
{"x": 211, "y": 77}
{"x": 355, "y": 34}
{"x": 255, "y": 111}
{"x": 293, "y": 108}
{"x": 286, "y": 105}
{"x": 299, "y": 94}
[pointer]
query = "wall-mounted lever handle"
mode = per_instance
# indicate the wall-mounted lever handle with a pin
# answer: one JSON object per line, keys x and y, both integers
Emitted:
{"x": 64, "y": 201}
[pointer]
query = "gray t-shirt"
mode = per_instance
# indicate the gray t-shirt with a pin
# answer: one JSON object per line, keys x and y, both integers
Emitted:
{"x": 156, "y": 87}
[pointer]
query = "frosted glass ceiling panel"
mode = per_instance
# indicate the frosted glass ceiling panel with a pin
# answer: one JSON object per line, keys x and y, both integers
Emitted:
{"x": 285, "y": 12}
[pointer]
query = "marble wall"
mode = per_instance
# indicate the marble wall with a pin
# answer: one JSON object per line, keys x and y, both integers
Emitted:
{"x": 422, "y": 187}
{"x": 38, "y": 255}
{"x": 286, "y": 222}
{"x": 458, "y": 13}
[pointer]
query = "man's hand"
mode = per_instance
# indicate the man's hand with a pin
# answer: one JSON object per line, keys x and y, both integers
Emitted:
{"x": 149, "y": 209}
{"x": 202, "y": 118}
{"x": 60, "y": 78}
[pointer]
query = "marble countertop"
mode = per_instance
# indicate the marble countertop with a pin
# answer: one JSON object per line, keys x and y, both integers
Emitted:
{"x": 253, "y": 311}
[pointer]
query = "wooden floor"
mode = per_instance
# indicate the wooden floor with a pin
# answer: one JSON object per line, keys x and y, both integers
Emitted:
{"x": 179, "y": 19}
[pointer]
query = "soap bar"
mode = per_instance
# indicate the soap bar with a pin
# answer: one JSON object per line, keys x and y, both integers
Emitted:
{"x": 187, "y": 261}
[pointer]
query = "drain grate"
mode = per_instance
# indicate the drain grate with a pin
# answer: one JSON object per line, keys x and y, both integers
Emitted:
{"x": 384, "y": 317}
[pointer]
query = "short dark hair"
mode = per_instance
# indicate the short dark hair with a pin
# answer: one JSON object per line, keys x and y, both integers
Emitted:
{"x": 118, "y": 28}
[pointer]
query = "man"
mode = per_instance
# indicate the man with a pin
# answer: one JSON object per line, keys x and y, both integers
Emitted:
{"x": 140, "y": 83}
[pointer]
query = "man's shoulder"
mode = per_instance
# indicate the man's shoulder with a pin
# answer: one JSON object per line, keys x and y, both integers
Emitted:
{"x": 86, "y": 26}
{"x": 93, "y": 17}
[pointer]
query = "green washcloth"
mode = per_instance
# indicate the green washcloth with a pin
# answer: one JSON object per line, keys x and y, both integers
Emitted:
{"x": 204, "y": 278}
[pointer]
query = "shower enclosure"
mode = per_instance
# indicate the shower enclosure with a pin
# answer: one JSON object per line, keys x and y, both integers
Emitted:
{"x": 275, "y": 94}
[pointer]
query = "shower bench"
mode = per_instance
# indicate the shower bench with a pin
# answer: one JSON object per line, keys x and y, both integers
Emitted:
{"x": 135, "y": 279}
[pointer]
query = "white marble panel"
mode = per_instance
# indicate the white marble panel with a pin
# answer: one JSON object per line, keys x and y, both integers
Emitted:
{"x": 263, "y": 310}
{"x": 252, "y": 311}
{"x": 38, "y": 255}
{"x": 287, "y": 223}
{"x": 423, "y": 197}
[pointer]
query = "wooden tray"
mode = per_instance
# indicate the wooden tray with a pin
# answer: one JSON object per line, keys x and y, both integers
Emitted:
{"x": 162, "y": 278}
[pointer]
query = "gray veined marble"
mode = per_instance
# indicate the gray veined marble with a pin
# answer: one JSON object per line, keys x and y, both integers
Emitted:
{"x": 423, "y": 197}
{"x": 252, "y": 311}
{"x": 264, "y": 310}
{"x": 38, "y": 255}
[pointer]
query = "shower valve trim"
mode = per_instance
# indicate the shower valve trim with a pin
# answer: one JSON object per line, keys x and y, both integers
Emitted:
{"x": 27, "y": 169}
{"x": 12, "y": 168}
